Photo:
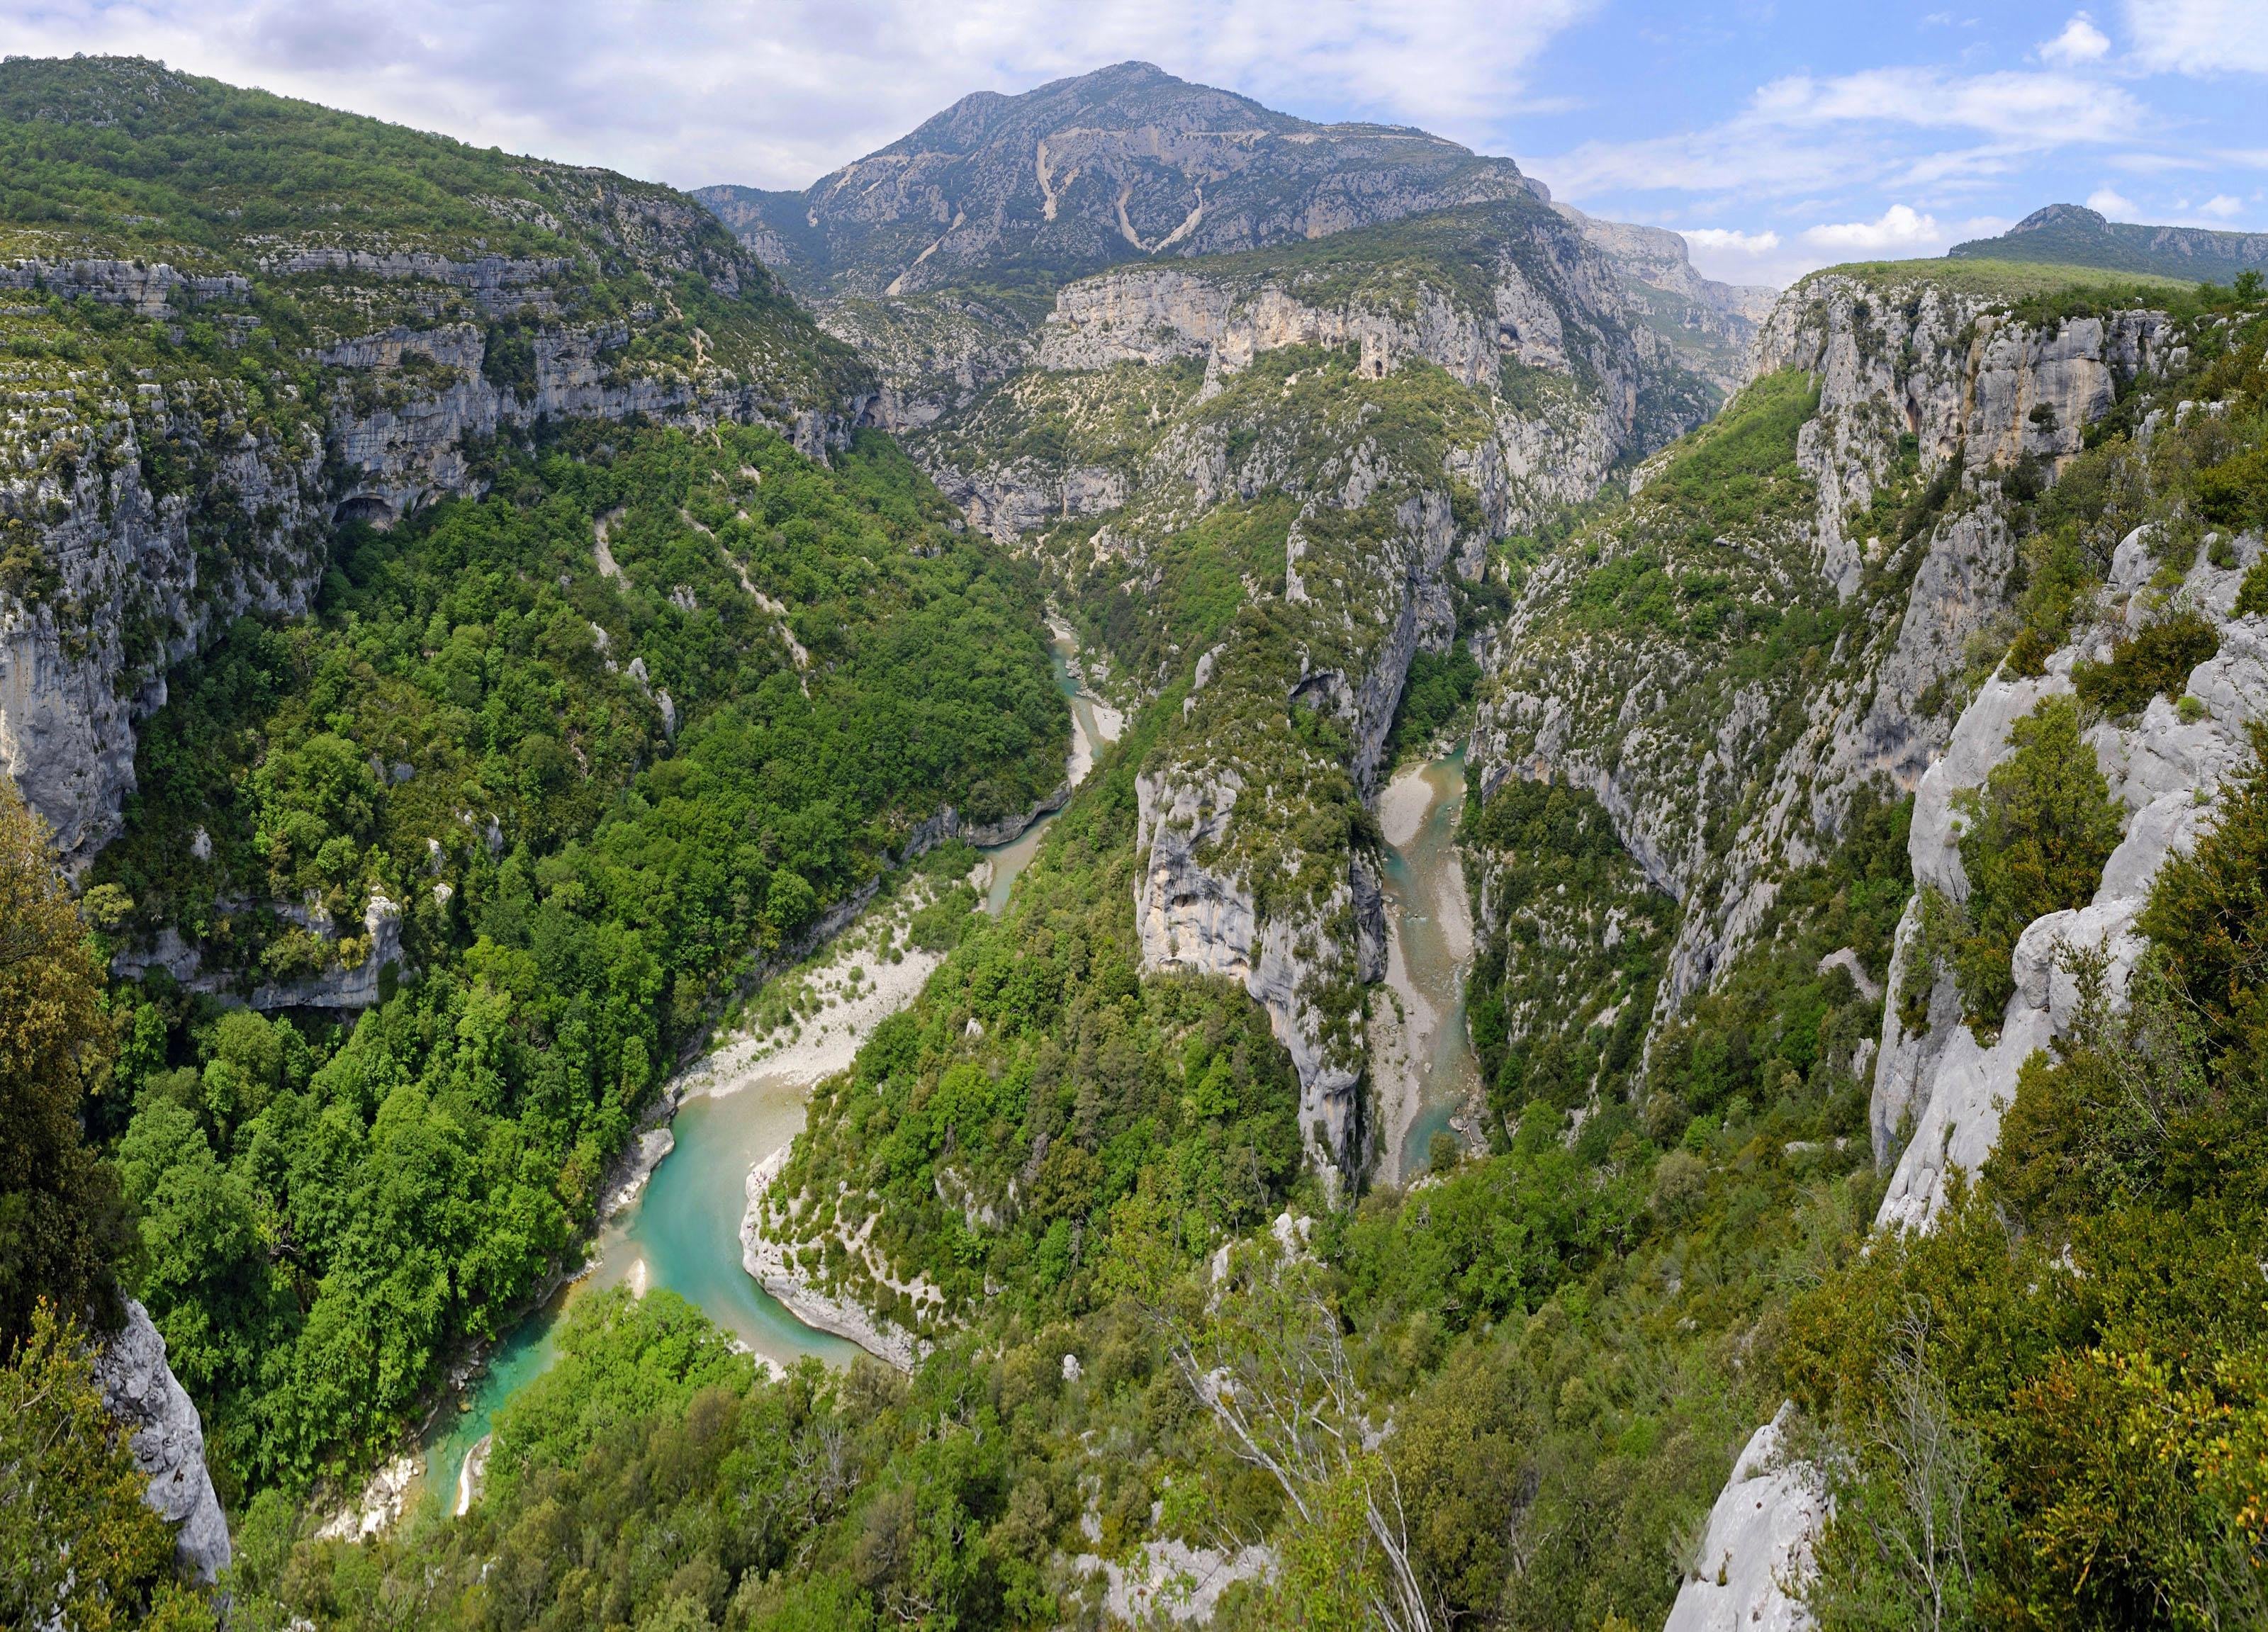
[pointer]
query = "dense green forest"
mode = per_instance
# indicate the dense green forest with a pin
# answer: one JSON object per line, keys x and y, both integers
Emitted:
{"x": 602, "y": 790}
{"x": 421, "y": 899}
{"x": 2052, "y": 1411}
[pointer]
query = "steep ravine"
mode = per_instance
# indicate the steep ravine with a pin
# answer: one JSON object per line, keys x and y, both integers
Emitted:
{"x": 684, "y": 1218}
{"x": 1422, "y": 1070}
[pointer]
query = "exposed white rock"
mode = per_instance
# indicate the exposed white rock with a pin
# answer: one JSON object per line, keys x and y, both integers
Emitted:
{"x": 769, "y": 1259}
{"x": 1944, "y": 1084}
{"x": 1915, "y": 360}
{"x": 392, "y": 427}
{"x": 375, "y": 1511}
{"x": 1757, "y": 1552}
{"x": 1173, "y": 1582}
{"x": 167, "y": 1441}
{"x": 129, "y": 558}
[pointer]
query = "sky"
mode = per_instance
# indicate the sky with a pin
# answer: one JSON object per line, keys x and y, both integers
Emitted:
{"x": 1777, "y": 136}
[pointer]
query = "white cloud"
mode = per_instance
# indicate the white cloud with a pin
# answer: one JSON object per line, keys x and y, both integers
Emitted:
{"x": 1803, "y": 136}
{"x": 1899, "y": 230}
{"x": 2037, "y": 109}
{"x": 2080, "y": 41}
{"x": 2200, "y": 37}
{"x": 2111, "y": 204}
{"x": 776, "y": 93}
{"x": 1728, "y": 240}
{"x": 2226, "y": 206}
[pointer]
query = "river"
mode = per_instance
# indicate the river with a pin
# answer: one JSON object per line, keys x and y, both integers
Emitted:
{"x": 682, "y": 1230}
{"x": 1421, "y": 1053}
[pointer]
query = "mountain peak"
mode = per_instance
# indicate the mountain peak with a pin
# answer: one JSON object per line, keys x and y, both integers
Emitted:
{"x": 2060, "y": 215}
{"x": 1121, "y": 163}
{"x": 2075, "y": 235}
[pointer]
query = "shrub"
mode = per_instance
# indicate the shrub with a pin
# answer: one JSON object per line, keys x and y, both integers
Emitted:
{"x": 2155, "y": 662}
{"x": 2039, "y": 832}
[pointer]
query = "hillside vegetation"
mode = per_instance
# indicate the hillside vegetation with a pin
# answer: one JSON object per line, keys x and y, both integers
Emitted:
{"x": 426, "y": 888}
{"x": 600, "y": 802}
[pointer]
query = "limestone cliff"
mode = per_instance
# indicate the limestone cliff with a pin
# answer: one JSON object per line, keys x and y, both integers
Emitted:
{"x": 1371, "y": 410}
{"x": 140, "y": 516}
{"x": 1940, "y": 1090}
{"x": 1890, "y": 532}
{"x": 191, "y": 403}
{"x": 167, "y": 1441}
{"x": 1710, "y": 326}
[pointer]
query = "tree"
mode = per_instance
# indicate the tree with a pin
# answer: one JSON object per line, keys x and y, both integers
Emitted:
{"x": 1261, "y": 1349}
{"x": 63, "y": 1226}
{"x": 79, "y": 1546}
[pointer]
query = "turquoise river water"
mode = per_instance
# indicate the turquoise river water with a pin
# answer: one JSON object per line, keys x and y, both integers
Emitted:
{"x": 684, "y": 1231}
{"x": 1432, "y": 924}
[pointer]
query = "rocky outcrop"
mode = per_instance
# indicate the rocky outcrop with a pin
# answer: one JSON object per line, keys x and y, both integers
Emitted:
{"x": 150, "y": 494}
{"x": 1115, "y": 165}
{"x": 1204, "y": 920}
{"x": 1756, "y": 1554}
{"x": 409, "y": 402}
{"x": 1710, "y": 326}
{"x": 1939, "y": 1092}
{"x": 1220, "y": 890}
{"x": 934, "y": 353}
{"x": 1963, "y": 378}
{"x": 158, "y": 512}
{"x": 148, "y": 289}
{"x": 769, "y": 1255}
{"x": 342, "y": 984}
{"x": 1917, "y": 384}
{"x": 167, "y": 1441}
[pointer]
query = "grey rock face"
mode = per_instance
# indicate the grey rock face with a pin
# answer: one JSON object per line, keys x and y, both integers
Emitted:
{"x": 167, "y": 1441}
{"x": 1711, "y": 326}
{"x": 1758, "y": 1544}
{"x": 1199, "y": 906}
{"x": 1113, "y": 165}
{"x": 154, "y": 568}
{"x": 1201, "y": 920}
{"x": 1902, "y": 362}
{"x": 145, "y": 575}
{"x": 1944, "y": 1085}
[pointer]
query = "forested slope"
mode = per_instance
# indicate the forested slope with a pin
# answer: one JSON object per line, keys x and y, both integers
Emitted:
{"x": 1865, "y": 844}
{"x": 234, "y": 319}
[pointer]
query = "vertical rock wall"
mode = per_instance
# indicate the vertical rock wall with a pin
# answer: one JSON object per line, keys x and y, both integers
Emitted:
{"x": 167, "y": 1440}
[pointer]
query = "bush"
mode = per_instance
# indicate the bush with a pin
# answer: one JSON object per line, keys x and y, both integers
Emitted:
{"x": 2039, "y": 832}
{"x": 2155, "y": 662}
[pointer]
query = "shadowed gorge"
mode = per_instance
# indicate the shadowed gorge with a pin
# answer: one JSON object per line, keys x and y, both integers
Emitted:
{"x": 1153, "y": 865}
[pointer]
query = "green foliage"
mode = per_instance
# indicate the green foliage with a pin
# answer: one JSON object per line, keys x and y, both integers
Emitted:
{"x": 119, "y": 157}
{"x": 2013, "y": 281}
{"x": 2068, "y": 534}
{"x": 61, "y": 1229}
{"x": 1741, "y": 465}
{"x": 1563, "y": 985}
{"x": 2234, "y": 492}
{"x": 1783, "y": 1028}
{"x": 324, "y": 1222}
{"x": 1439, "y": 686}
{"x": 2036, "y": 838}
{"x": 1489, "y": 1242}
{"x": 2154, "y": 662}
{"x": 2100, "y": 1370}
{"x": 2208, "y": 915}
{"x": 1082, "y": 1086}
{"x": 78, "y": 1546}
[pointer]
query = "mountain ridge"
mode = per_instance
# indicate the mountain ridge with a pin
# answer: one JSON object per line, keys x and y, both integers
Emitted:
{"x": 1084, "y": 172}
{"x": 2075, "y": 235}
